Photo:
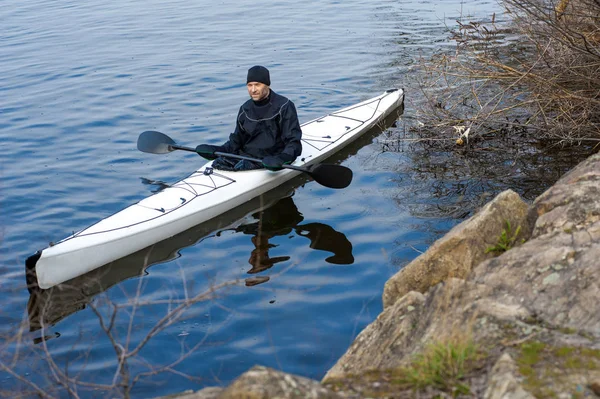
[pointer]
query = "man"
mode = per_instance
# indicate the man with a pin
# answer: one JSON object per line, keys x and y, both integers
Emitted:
{"x": 267, "y": 128}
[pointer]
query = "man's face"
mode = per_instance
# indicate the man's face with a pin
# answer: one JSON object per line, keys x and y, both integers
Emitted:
{"x": 257, "y": 90}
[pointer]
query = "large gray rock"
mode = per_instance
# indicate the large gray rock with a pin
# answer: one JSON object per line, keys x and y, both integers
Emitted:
{"x": 546, "y": 288}
{"x": 555, "y": 274}
{"x": 206, "y": 393}
{"x": 265, "y": 383}
{"x": 449, "y": 310}
{"x": 383, "y": 343}
{"x": 570, "y": 204}
{"x": 461, "y": 249}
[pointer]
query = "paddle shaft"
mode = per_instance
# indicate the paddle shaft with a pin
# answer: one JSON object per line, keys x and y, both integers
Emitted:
{"x": 181, "y": 147}
{"x": 224, "y": 154}
{"x": 227, "y": 155}
{"x": 328, "y": 175}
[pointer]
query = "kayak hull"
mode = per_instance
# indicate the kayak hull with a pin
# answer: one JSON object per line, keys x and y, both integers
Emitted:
{"x": 203, "y": 195}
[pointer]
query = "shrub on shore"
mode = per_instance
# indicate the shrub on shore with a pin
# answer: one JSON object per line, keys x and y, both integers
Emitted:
{"x": 536, "y": 73}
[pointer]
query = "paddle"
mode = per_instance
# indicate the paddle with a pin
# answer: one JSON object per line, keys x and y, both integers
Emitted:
{"x": 328, "y": 175}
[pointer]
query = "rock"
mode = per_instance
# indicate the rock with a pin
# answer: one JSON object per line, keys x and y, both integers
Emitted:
{"x": 265, "y": 383}
{"x": 555, "y": 273}
{"x": 546, "y": 289}
{"x": 384, "y": 342}
{"x": 206, "y": 393}
{"x": 502, "y": 311}
{"x": 571, "y": 203}
{"x": 502, "y": 383}
{"x": 463, "y": 248}
{"x": 398, "y": 333}
{"x": 567, "y": 297}
{"x": 209, "y": 393}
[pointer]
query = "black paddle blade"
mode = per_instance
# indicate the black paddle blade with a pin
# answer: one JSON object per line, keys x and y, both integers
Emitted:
{"x": 332, "y": 176}
{"x": 155, "y": 142}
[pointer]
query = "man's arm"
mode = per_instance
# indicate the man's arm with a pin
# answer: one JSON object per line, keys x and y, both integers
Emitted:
{"x": 291, "y": 133}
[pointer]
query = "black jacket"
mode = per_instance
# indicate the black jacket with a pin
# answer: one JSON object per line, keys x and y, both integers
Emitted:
{"x": 267, "y": 127}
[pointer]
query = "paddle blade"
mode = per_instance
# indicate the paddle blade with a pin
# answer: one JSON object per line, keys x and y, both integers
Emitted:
{"x": 155, "y": 142}
{"x": 332, "y": 176}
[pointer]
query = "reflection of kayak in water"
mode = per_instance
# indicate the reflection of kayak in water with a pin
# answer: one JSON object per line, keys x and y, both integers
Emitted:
{"x": 281, "y": 219}
{"x": 203, "y": 195}
{"x": 47, "y": 307}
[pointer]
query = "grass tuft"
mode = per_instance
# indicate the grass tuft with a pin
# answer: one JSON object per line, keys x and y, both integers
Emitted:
{"x": 506, "y": 240}
{"x": 442, "y": 365}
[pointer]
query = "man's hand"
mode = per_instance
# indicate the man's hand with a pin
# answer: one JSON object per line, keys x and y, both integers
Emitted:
{"x": 276, "y": 162}
{"x": 207, "y": 151}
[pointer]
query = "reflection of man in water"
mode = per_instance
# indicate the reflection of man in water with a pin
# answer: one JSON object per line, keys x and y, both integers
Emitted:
{"x": 281, "y": 219}
{"x": 259, "y": 257}
{"x": 325, "y": 238}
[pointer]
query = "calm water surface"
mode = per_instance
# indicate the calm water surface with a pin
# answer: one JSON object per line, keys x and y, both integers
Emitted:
{"x": 80, "y": 80}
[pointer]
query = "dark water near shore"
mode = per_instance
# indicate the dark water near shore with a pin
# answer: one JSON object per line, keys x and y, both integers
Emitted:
{"x": 81, "y": 80}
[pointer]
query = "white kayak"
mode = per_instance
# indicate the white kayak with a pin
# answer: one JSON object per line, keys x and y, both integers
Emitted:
{"x": 203, "y": 195}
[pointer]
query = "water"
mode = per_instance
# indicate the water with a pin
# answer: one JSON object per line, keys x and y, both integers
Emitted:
{"x": 81, "y": 80}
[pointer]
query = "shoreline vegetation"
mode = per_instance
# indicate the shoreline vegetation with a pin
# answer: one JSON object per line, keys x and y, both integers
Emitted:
{"x": 536, "y": 75}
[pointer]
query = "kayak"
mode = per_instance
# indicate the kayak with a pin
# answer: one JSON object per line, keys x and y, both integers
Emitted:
{"x": 203, "y": 195}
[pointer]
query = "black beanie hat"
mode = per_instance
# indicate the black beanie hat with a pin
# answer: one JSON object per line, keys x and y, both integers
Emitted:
{"x": 259, "y": 74}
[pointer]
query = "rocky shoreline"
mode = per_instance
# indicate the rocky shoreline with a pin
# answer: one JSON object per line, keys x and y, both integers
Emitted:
{"x": 505, "y": 305}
